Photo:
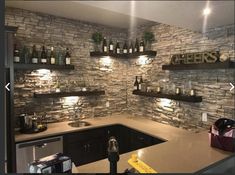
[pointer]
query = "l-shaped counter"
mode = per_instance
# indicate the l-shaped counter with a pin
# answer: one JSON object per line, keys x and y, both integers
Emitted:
{"x": 183, "y": 152}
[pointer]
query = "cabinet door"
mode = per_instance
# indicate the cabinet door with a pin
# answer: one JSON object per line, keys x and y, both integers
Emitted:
{"x": 95, "y": 149}
{"x": 85, "y": 147}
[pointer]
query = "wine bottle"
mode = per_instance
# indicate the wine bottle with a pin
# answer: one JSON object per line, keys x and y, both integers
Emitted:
{"x": 16, "y": 54}
{"x": 136, "y": 49}
{"x": 52, "y": 56}
{"x": 141, "y": 82}
{"x": 117, "y": 48}
{"x": 111, "y": 46}
{"x": 34, "y": 57}
{"x": 43, "y": 56}
{"x": 105, "y": 48}
{"x": 141, "y": 49}
{"x": 67, "y": 57}
{"x": 136, "y": 84}
{"x": 131, "y": 48}
{"x": 125, "y": 48}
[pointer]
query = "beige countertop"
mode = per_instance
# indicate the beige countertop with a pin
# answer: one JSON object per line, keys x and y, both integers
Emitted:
{"x": 184, "y": 151}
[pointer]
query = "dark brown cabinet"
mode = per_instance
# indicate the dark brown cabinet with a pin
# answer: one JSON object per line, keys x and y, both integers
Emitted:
{"x": 91, "y": 145}
{"x": 85, "y": 146}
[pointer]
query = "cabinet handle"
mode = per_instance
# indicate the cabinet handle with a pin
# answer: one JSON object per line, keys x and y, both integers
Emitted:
{"x": 141, "y": 138}
{"x": 85, "y": 147}
{"x": 88, "y": 146}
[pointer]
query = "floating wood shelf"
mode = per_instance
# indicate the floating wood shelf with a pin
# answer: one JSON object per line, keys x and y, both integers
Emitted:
{"x": 193, "y": 99}
{"x": 42, "y": 66}
{"x": 68, "y": 94}
{"x": 218, "y": 65}
{"x": 124, "y": 55}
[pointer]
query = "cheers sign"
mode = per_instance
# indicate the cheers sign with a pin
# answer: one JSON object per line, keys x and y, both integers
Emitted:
{"x": 194, "y": 58}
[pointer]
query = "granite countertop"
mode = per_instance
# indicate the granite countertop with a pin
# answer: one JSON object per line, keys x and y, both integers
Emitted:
{"x": 183, "y": 152}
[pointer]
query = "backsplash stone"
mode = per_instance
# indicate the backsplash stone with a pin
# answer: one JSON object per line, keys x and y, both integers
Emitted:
{"x": 116, "y": 76}
{"x": 213, "y": 85}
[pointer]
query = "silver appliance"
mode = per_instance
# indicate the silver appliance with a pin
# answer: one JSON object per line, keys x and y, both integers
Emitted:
{"x": 27, "y": 152}
{"x": 56, "y": 163}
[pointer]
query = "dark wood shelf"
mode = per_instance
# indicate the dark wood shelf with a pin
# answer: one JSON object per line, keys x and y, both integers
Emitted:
{"x": 124, "y": 55}
{"x": 22, "y": 66}
{"x": 218, "y": 65}
{"x": 68, "y": 94}
{"x": 193, "y": 99}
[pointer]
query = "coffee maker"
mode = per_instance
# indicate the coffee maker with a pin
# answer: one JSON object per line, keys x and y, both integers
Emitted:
{"x": 32, "y": 123}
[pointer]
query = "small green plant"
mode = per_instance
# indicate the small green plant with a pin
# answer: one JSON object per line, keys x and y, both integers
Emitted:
{"x": 97, "y": 37}
{"x": 148, "y": 37}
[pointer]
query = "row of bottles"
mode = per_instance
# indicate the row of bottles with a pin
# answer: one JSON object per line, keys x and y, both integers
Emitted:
{"x": 144, "y": 86}
{"x": 44, "y": 58}
{"x": 139, "y": 47}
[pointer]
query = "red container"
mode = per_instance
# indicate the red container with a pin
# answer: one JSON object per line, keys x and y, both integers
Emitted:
{"x": 225, "y": 141}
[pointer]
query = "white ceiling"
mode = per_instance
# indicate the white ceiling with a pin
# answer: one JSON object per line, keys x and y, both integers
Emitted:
{"x": 187, "y": 14}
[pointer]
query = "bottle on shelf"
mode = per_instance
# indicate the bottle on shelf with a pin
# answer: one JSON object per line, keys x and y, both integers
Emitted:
{"x": 16, "y": 54}
{"x": 111, "y": 46}
{"x": 43, "y": 56}
{"x": 52, "y": 56}
{"x": 34, "y": 57}
{"x": 136, "y": 49}
{"x": 131, "y": 48}
{"x": 67, "y": 57}
{"x": 105, "y": 47}
{"x": 117, "y": 48}
{"x": 136, "y": 83}
{"x": 125, "y": 49}
{"x": 141, "y": 49}
{"x": 140, "y": 83}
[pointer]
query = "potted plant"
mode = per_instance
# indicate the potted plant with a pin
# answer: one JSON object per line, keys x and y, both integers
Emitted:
{"x": 97, "y": 38}
{"x": 148, "y": 38}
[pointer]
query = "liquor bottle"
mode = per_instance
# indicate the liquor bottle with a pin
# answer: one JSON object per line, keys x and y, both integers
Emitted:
{"x": 67, "y": 57}
{"x": 136, "y": 84}
{"x": 117, "y": 48}
{"x": 43, "y": 56}
{"x": 136, "y": 49}
{"x": 141, "y": 82}
{"x": 52, "y": 56}
{"x": 111, "y": 46}
{"x": 125, "y": 50}
{"x": 141, "y": 46}
{"x": 16, "y": 54}
{"x": 105, "y": 47}
{"x": 131, "y": 48}
{"x": 34, "y": 57}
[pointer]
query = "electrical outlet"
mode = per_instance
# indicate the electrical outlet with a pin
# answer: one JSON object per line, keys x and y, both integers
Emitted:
{"x": 107, "y": 104}
{"x": 204, "y": 117}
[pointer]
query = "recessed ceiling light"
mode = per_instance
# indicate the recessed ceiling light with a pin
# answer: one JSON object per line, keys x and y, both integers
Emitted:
{"x": 206, "y": 11}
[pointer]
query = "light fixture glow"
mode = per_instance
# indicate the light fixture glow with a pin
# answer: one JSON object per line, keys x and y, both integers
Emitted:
{"x": 42, "y": 74}
{"x": 206, "y": 11}
{"x": 43, "y": 71}
{"x": 69, "y": 101}
{"x": 106, "y": 62}
{"x": 143, "y": 59}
